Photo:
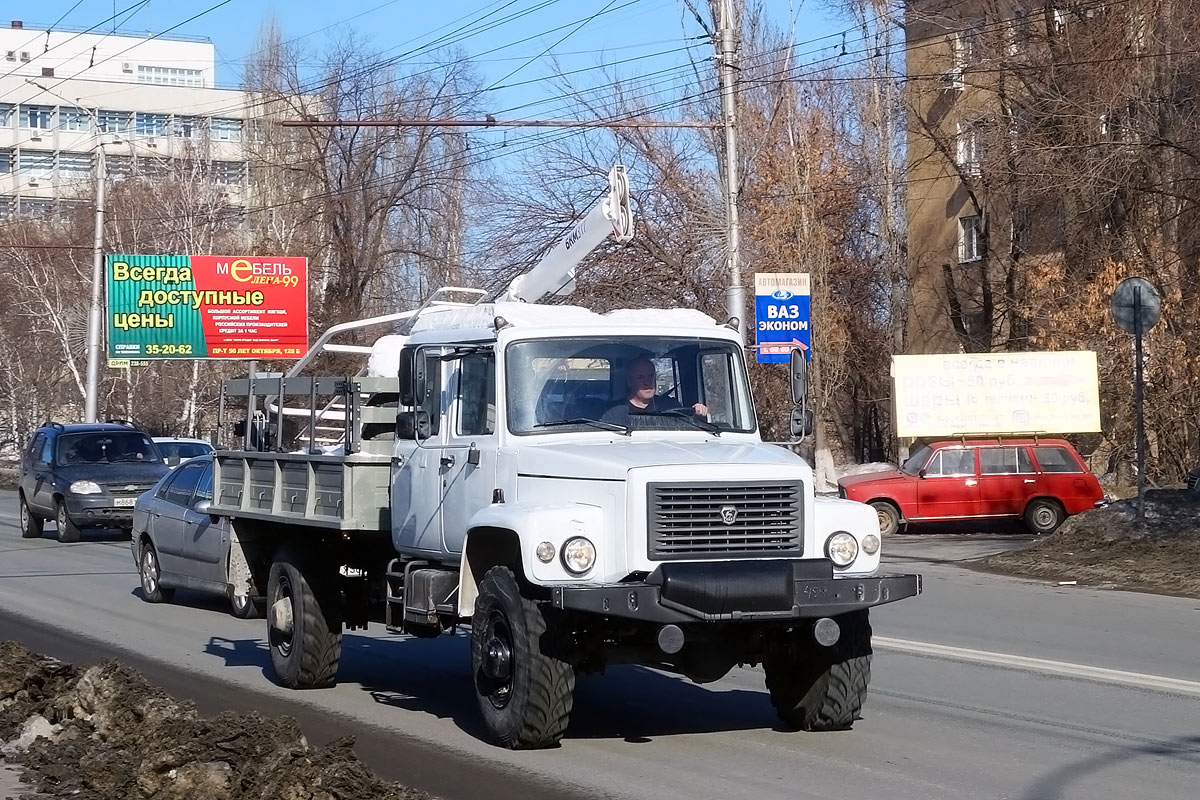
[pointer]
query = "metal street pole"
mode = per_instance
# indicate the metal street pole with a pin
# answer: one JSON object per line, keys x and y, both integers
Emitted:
{"x": 92, "y": 393}
{"x": 735, "y": 294}
{"x": 1137, "y": 400}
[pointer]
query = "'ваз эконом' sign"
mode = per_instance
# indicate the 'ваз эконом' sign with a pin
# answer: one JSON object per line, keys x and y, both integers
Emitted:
{"x": 250, "y": 307}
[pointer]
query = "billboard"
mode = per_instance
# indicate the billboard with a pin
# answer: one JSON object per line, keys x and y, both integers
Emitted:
{"x": 247, "y": 307}
{"x": 781, "y": 316}
{"x": 975, "y": 393}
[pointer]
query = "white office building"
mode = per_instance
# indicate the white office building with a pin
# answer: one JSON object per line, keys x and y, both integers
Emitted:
{"x": 147, "y": 102}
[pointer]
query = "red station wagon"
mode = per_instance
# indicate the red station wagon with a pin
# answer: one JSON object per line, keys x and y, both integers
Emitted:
{"x": 1040, "y": 480}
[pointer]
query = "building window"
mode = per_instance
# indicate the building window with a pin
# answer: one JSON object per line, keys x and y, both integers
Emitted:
{"x": 118, "y": 167}
{"x": 228, "y": 173}
{"x": 37, "y": 118}
{"x": 188, "y": 127}
{"x": 146, "y": 124}
{"x": 169, "y": 76}
{"x": 6, "y": 206}
{"x": 6, "y": 112}
{"x": 36, "y": 164}
{"x": 965, "y": 52}
{"x": 227, "y": 130}
{"x": 74, "y": 165}
{"x": 73, "y": 119}
{"x": 6, "y": 160}
{"x": 970, "y": 146}
{"x": 970, "y": 239}
{"x": 113, "y": 121}
{"x": 35, "y": 206}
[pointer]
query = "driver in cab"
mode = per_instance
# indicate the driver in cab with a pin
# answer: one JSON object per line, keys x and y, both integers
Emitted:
{"x": 641, "y": 380}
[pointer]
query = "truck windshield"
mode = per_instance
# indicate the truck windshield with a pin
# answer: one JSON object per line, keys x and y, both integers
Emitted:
{"x": 627, "y": 383}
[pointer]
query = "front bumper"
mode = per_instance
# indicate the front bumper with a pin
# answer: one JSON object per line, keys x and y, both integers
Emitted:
{"x": 737, "y": 591}
{"x": 98, "y": 509}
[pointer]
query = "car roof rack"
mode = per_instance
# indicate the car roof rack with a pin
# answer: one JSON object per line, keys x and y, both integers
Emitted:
{"x": 124, "y": 423}
{"x": 1000, "y": 437}
{"x": 58, "y": 426}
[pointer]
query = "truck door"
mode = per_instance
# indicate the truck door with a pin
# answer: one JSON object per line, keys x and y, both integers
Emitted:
{"x": 416, "y": 462}
{"x": 468, "y": 462}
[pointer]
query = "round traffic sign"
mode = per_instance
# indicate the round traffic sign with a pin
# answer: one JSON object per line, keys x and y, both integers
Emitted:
{"x": 1136, "y": 305}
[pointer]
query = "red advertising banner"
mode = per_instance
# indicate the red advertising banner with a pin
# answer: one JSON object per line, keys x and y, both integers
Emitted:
{"x": 241, "y": 307}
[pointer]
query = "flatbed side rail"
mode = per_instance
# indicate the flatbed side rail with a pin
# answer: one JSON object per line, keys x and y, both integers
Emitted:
{"x": 349, "y": 493}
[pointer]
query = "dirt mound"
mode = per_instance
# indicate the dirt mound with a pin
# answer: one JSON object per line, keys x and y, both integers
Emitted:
{"x": 1112, "y": 547}
{"x": 107, "y": 734}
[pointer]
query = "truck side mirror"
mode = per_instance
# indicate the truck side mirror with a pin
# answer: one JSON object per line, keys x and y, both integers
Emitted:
{"x": 798, "y": 372}
{"x": 801, "y": 422}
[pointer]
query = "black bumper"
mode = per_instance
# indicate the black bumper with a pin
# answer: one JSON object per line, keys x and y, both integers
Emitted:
{"x": 738, "y": 591}
{"x": 98, "y": 510}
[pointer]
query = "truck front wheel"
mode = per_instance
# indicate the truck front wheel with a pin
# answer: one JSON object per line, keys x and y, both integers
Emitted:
{"x": 816, "y": 688}
{"x": 304, "y": 623}
{"x": 525, "y": 690}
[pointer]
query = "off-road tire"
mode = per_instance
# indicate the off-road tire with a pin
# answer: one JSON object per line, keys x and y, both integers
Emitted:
{"x": 541, "y": 689}
{"x": 312, "y": 652}
{"x": 68, "y": 531}
{"x": 150, "y": 575}
{"x": 815, "y": 688}
{"x": 246, "y": 607}
{"x": 889, "y": 517}
{"x": 1043, "y": 516}
{"x": 31, "y": 524}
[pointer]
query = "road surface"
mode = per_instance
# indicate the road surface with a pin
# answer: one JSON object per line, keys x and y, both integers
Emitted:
{"x": 984, "y": 687}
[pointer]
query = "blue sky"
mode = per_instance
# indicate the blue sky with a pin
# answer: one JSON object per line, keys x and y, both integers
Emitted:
{"x": 650, "y": 36}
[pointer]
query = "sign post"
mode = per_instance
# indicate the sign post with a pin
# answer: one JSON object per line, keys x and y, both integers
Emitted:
{"x": 782, "y": 316}
{"x": 1136, "y": 307}
{"x": 228, "y": 307}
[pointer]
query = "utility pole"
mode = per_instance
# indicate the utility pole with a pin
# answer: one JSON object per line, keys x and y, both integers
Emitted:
{"x": 727, "y": 57}
{"x": 91, "y": 397}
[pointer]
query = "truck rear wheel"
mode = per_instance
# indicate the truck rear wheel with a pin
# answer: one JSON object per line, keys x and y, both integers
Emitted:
{"x": 525, "y": 691}
{"x": 304, "y": 623}
{"x": 816, "y": 688}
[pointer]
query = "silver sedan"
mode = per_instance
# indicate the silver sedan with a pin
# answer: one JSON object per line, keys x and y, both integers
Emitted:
{"x": 177, "y": 544}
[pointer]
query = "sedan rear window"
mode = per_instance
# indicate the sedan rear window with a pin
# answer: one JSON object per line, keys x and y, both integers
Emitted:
{"x": 1055, "y": 459}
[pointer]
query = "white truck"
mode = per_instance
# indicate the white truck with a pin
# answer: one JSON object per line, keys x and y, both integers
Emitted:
{"x": 492, "y": 472}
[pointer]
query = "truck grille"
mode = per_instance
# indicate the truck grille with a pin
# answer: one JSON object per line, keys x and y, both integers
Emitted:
{"x": 731, "y": 520}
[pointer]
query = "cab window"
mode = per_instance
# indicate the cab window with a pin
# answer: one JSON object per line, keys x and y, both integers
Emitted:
{"x": 476, "y": 395}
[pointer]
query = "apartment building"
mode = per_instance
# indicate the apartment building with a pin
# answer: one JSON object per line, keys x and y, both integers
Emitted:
{"x": 150, "y": 103}
{"x": 971, "y": 225}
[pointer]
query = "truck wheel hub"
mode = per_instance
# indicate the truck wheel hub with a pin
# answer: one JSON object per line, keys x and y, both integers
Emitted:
{"x": 497, "y": 659}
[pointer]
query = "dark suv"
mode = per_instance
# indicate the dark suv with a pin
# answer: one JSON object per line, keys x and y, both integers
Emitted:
{"x": 86, "y": 475}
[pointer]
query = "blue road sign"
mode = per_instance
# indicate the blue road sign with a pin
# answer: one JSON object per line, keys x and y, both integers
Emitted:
{"x": 781, "y": 316}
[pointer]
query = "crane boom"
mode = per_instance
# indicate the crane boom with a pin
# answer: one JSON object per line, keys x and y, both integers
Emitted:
{"x": 554, "y": 274}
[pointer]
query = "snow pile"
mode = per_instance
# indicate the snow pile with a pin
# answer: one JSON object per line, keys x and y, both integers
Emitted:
{"x": 107, "y": 733}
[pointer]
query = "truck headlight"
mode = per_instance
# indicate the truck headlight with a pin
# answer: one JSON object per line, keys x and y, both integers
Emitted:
{"x": 870, "y": 544}
{"x": 578, "y": 555}
{"x": 545, "y": 552}
{"x": 85, "y": 487}
{"x": 842, "y": 549}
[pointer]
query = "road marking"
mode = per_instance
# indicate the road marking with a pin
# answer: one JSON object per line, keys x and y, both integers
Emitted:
{"x": 1065, "y": 669}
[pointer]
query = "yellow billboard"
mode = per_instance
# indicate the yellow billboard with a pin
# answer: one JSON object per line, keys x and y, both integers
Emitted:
{"x": 976, "y": 393}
